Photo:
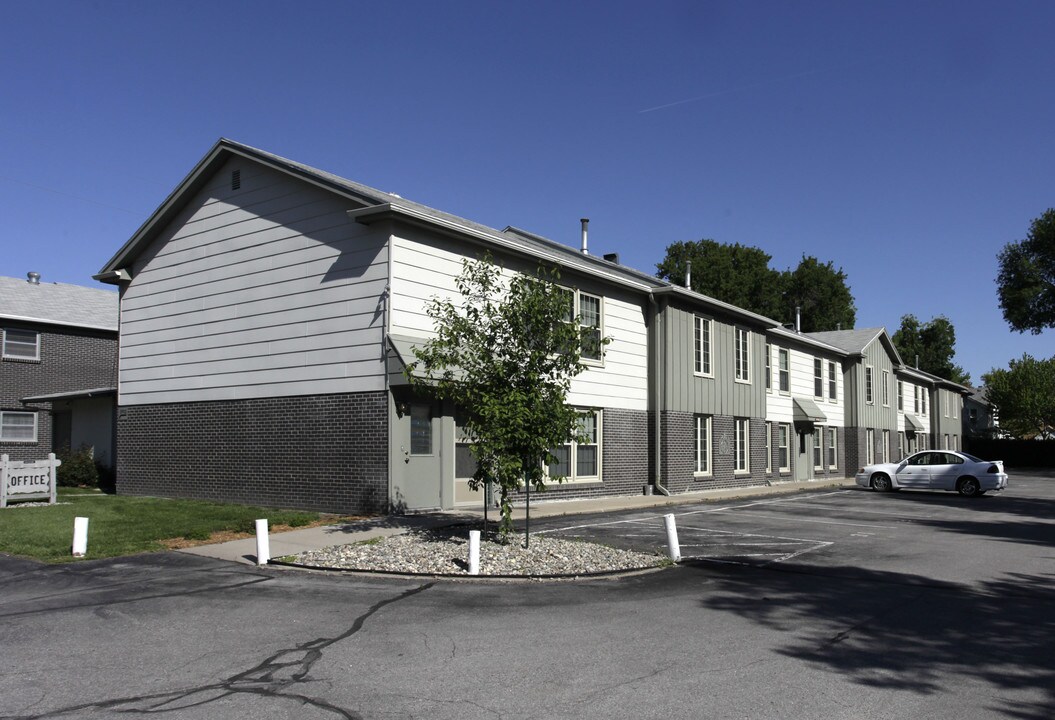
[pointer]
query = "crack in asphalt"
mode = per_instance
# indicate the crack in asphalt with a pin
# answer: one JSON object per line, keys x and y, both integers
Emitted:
{"x": 272, "y": 678}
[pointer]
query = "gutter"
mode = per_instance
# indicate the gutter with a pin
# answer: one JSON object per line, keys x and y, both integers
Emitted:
{"x": 657, "y": 480}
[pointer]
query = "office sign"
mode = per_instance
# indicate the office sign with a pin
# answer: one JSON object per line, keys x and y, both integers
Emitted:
{"x": 28, "y": 480}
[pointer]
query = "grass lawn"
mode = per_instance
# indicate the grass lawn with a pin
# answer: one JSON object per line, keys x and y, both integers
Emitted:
{"x": 124, "y": 525}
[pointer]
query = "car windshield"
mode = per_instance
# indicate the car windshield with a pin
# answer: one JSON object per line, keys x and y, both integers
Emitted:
{"x": 972, "y": 458}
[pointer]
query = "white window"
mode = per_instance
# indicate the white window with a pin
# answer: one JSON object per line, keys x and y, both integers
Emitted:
{"x": 901, "y": 446}
{"x": 784, "y": 370}
{"x": 769, "y": 367}
{"x": 818, "y": 378}
{"x": 946, "y": 445}
{"x": 769, "y": 447}
{"x": 923, "y": 400}
{"x": 885, "y": 390}
{"x": 784, "y": 446}
{"x": 870, "y": 447}
{"x": 702, "y": 345}
{"x": 832, "y": 383}
{"x": 21, "y": 344}
{"x": 955, "y": 402}
{"x": 743, "y": 445}
{"x": 591, "y": 325}
{"x": 833, "y": 445}
{"x": 915, "y": 398}
{"x": 703, "y": 445}
{"x": 580, "y": 460}
{"x": 818, "y": 447}
{"x": 885, "y": 449}
{"x": 900, "y": 395}
{"x": 869, "y": 395}
{"x": 18, "y": 426}
{"x": 743, "y": 355}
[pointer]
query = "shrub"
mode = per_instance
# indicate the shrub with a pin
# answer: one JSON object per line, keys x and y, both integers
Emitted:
{"x": 78, "y": 469}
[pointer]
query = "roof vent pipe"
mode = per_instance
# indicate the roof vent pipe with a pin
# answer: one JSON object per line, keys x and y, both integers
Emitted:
{"x": 917, "y": 361}
{"x": 798, "y": 319}
{"x": 33, "y": 278}
{"x": 688, "y": 274}
{"x": 585, "y": 222}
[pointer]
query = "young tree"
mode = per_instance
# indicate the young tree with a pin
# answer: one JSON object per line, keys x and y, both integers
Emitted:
{"x": 1026, "y": 284}
{"x": 1024, "y": 395}
{"x": 934, "y": 343}
{"x": 736, "y": 274}
{"x": 506, "y": 355}
{"x": 821, "y": 293}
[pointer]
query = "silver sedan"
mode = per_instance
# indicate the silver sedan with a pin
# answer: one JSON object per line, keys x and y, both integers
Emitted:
{"x": 936, "y": 470}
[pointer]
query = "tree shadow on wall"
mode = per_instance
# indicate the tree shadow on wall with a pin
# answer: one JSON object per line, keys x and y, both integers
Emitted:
{"x": 904, "y": 632}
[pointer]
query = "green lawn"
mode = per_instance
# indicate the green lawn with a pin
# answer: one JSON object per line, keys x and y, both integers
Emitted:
{"x": 123, "y": 525}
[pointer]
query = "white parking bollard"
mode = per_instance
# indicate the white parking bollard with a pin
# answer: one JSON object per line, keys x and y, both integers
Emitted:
{"x": 474, "y": 552}
{"x": 80, "y": 536}
{"x": 672, "y": 537}
{"x": 263, "y": 545}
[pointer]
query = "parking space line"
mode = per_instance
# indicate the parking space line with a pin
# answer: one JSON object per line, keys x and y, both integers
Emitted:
{"x": 826, "y": 522}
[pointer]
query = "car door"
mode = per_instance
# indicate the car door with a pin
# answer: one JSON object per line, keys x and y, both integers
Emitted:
{"x": 944, "y": 470}
{"x": 915, "y": 472}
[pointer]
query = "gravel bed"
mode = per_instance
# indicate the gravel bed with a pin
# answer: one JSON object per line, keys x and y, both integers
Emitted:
{"x": 446, "y": 552}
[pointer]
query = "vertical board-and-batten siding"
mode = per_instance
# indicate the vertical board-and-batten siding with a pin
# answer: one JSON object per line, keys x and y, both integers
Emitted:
{"x": 426, "y": 267}
{"x": 875, "y": 415}
{"x": 720, "y": 394}
{"x": 268, "y": 290}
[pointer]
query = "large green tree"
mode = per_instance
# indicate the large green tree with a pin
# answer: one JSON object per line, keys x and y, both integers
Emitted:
{"x": 736, "y": 274}
{"x": 934, "y": 343}
{"x": 820, "y": 293}
{"x": 1026, "y": 283}
{"x": 505, "y": 352}
{"x": 1024, "y": 395}
{"x": 740, "y": 275}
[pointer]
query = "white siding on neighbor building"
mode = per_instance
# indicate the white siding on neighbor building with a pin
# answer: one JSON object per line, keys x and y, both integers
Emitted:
{"x": 269, "y": 290}
{"x": 423, "y": 268}
{"x": 912, "y": 399}
{"x": 780, "y": 406}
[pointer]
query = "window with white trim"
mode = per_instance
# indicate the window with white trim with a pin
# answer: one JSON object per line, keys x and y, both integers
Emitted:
{"x": 885, "y": 449}
{"x": 769, "y": 447}
{"x": 580, "y": 461}
{"x": 870, "y": 447}
{"x": 900, "y": 396}
{"x": 18, "y": 426}
{"x": 901, "y": 445}
{"x": 869, "y": 393}
{"x": 818, "y": 447}
{"x": 703, "y": 445}
{"x": 741, "y": 430}
{"x": 591, "y": 326}
{"x": 885, "y": 390}
{"x": 769, "y": 367}
{"x": 818, "y": 378}
{"x": 833, "y": 394}
{"x": 784, "y": 370}
{"x": 702, "y": 345}
{"x": 833, "y": 448}
{"x": 742, "y": 355}
{"x": 923, "y": 400}
{"x": 784, "y": 446}
{"x": 21, "y": 344}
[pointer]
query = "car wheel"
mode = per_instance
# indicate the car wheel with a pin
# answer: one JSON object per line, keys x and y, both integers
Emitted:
{"x": 881, "y": 483}
{"x": 969, "y": 487}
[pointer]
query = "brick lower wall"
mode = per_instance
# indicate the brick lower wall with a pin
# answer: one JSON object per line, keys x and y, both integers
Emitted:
{"x": 678, "y": 448}
{"x": 325, "y": 453}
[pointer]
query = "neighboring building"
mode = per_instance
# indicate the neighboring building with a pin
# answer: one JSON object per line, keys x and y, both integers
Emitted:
{"x": 979, "y": 416}
{"x": 269, "y": 310}
{"x": 58, "y": 369}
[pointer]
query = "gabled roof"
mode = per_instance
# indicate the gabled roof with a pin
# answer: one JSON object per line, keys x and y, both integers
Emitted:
{"x": 805, "y": 339}
{"x": 58, "y": 304}
{"x": 856, "y": 341}
{"x": 935, "y": 379}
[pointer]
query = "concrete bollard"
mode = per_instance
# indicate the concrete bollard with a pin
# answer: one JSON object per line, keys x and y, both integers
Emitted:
{"x": 80, "y": 536}
{"x": 263, "y": 545}
{"x": 474, "y": 552}
{"x": 672, "y": 537}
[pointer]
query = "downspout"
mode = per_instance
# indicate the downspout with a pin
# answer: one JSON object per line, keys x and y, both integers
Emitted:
{"x": 657, "y": 396}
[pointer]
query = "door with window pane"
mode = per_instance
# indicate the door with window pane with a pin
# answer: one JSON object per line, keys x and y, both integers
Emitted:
{"x": 417, "y": 468}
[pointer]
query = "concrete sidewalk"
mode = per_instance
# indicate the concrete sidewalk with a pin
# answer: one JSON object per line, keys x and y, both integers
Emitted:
{"x": 297, "y": 541}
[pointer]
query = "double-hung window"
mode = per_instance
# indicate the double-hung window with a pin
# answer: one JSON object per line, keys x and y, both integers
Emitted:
{"x": 833, "y": 445}
{"x": 580, "y": 460}
{"x": 742, "y": 463}
{"x": 832, "y": 382}
{"x": 769, "y": 367}
{"x": 590, "y": 325}
{"x": 21, "y": 344}
{"x": 769, "y": 447}
{"x": 818, "y": 447}
{"x": 743, "y": 355}
{"x": 870, "y": 447}
{"x": 885, "y": 389}
{"x": 703, "y": 445}
{"x": 869, "y": 392}
{"x": 900, "y": 395}
{"x": 818, "y": 378}
{"x": 784, "y": 370}
{"x": 784, "y": 446}
{"x": 923, "y": 400}
{"x": 702, "y": 345}
{"x": 18, "y": 426}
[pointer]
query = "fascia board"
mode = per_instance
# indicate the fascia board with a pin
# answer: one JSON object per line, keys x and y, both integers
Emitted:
{"x": 42, "y": 321}
{"x": 797, "y": 337}
{"x": 701, "y": 299}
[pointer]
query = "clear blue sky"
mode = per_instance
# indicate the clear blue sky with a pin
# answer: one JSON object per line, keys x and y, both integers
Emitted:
{"x": 907, "y": 142}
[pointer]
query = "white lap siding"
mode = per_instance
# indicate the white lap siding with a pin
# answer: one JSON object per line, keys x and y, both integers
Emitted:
{"x": 780, "y": 407}
{"x": 425, "y": 267}
{"x": 268, "y": 290}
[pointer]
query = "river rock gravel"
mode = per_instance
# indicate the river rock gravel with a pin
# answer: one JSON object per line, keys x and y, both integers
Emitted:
{"x": 445, "y": 551}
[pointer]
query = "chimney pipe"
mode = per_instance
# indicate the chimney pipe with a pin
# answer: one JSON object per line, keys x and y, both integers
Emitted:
{"x": 585, "y": 222}
{"x": 33, "y": 278}
{"x": 688, "y": 274}
{"x": 917, "y": 361}
{"x": 798, "y": 319}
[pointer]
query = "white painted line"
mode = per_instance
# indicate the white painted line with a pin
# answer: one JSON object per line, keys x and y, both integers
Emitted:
{"x": 828, "y": 522}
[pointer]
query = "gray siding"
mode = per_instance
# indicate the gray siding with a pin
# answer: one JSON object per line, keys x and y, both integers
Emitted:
{"x": 874, "y": 415}
{"x": 267, "y": 290}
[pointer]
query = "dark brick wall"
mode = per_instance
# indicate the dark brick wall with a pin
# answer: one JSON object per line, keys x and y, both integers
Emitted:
{"x": 326, "y": 453}
{"x": 70, "y": 359}
{"x": 678, "y": 447}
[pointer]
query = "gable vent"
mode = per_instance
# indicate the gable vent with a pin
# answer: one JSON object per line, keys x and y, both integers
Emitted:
{"x": 236, "y": 179}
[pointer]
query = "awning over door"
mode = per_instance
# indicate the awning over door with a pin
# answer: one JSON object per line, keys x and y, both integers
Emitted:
{"x": 807, "y": 411}
{"x": 401, "y": 355}
{"x": 913, "y": 423}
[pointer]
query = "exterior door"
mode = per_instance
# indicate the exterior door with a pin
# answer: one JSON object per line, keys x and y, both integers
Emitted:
{"x": 804, "y": 457}
{"x": 417, "y": 463}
